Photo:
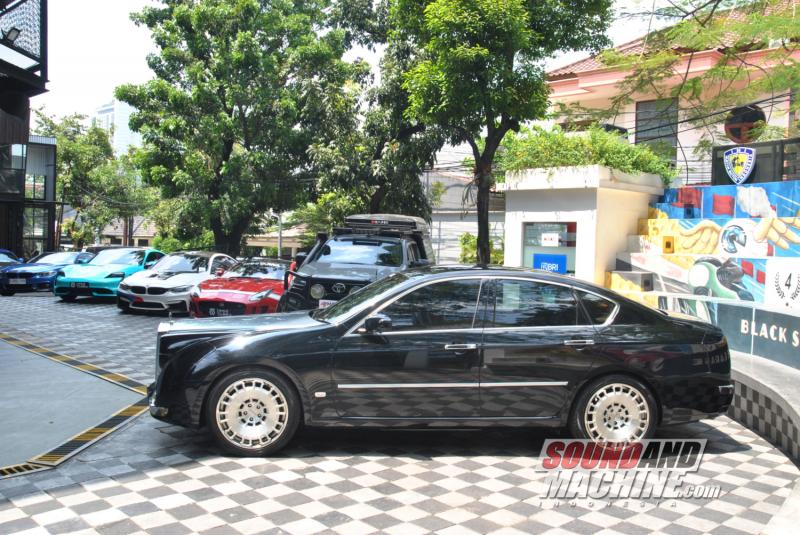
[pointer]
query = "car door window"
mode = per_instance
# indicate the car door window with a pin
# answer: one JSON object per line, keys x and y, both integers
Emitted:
{"x": 443, "y": 305}
{"x": 216, "y": 263}
{"x": 153, "y": 257}
{"x": 520, "y": 303}
{"x": 598, "y": 308}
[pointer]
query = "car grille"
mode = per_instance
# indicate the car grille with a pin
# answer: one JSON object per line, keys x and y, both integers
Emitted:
{"x": 330, "y": 292}
{"x": 141, "y": 290}
{"x": 156, "y": 291}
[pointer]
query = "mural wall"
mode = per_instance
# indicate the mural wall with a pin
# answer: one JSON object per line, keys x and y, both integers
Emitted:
{"x": 728, "y": 254}
{"x": 729, "y": 242}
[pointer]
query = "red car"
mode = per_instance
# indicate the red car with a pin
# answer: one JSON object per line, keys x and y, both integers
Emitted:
{"x": 253, "y": 286}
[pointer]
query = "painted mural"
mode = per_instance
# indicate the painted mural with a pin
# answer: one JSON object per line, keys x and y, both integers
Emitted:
{"x": 740, "y": 243}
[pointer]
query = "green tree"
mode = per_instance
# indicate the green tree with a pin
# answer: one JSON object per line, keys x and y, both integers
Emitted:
{"x": 328, "y": 211}
{"x": 241, "y": 89}
{"x": 479, "y": 74}
{"x": 377, "y": 154}
{"x": 89, "y": 178}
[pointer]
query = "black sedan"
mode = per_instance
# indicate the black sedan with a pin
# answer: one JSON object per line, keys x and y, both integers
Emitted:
{"x": 444, "y": 346}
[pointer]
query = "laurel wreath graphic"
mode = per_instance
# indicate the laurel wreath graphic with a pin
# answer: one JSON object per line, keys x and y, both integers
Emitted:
{"x": 779, "y": 287}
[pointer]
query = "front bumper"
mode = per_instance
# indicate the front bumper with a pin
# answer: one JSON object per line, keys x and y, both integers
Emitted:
{"x": 209, "y": 307}
{"x": 167, "y": 302}
{"x": 93, "y": 288}
{"x": 31, "y": 283}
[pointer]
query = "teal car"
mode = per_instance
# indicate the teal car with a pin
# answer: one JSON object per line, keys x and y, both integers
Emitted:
{"x": 101, "y": 276}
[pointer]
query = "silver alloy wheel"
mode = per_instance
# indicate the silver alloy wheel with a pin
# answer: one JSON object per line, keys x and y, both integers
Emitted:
{"x": 252, "y": 413}
{"x": 617, "y": 412}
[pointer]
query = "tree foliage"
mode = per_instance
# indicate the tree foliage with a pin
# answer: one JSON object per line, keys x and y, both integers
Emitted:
{"x": 377, "y": 153}
{"x": 478, "y": 73}
{"x": 241, "y": 90}
{"x": 329, "y": 210}
{"x": 100, "y": 187}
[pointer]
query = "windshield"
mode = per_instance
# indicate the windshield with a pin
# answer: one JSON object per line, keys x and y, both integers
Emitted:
{"x": 258, "y": 270}
{"x": 5, "y": 258}
{"x": 128, "y": 257}
{"x": 362, "y": 251}
{"x": 355, "y": 299}
{"x": 182, "y": 263}
{"x": 55, "y": 258}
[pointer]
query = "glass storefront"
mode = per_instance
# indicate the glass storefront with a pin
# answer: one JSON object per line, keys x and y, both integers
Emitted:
{"x": 550, "y": 246}
{"x": 34, "y": 231}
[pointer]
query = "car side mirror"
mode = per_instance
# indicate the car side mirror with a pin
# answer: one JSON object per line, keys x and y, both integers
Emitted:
{"x": 299, "y": 258}
{"x": 376, "y": 324}
{"x": 151, "y": 263}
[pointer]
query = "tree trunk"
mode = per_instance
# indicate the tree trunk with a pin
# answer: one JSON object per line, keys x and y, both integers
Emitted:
{"x": 376, "y": 200}
{"x": 228, "y": 242}
{"x": 483, "y": 179}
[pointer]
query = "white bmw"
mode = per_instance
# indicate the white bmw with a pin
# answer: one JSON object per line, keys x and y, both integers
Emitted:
{"x": 166, "y": 286}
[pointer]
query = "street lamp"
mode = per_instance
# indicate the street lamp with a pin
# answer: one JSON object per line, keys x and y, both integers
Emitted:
{"x": 11, "y": 35}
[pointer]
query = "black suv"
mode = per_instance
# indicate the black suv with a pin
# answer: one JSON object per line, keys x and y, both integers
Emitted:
{"x": 368, "y": 248}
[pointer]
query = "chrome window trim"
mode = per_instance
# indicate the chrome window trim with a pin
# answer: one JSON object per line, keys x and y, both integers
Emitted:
{"x": 532, "y": 278}
{"x": 509, "y": 384}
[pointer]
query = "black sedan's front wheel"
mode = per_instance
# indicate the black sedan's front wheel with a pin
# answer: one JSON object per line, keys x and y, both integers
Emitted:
{"x": 253, "y": 412}
{"x": 614, "y": 409}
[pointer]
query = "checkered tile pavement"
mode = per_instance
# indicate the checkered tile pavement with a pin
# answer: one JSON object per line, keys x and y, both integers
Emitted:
{"x": 156, "y": 478}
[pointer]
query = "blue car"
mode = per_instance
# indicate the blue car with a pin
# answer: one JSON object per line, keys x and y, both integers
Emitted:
{"x": 8, "y": 258}
{"x": 39, "y": 272}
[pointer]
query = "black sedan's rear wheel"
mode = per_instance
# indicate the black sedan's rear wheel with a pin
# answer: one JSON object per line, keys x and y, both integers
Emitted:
{"x": 7, "y": 293}
{"x": 253, "y": 412}
{"x": 614, "y": 409}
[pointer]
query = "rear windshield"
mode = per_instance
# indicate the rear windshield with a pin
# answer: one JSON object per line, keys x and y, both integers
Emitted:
{"x": 361, "y": 251}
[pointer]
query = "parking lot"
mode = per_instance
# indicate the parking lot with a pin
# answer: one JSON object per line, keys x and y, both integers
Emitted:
{"x": 152, "y": 477}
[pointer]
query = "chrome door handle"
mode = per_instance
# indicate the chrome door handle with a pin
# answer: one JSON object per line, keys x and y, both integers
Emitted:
{"x": 578, "y": 342}
{"x": 460, "y": 347}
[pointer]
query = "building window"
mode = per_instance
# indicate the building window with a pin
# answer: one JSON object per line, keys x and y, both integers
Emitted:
{"x": 141, "y": 242}
{"x": 657, "y": 126}
{"x": 35, "y": 187}
{"x": 12, "y": 168}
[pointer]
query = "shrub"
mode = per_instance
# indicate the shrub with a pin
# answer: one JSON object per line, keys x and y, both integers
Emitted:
{"x": 534, "y": 148}
{"x": 469, "y": 250}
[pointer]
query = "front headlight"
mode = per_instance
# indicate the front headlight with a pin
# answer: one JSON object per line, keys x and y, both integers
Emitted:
{"x": 123, "y": 286}
{"x": 60, "y": 274}
{"x": 195, "y": 291}
{"x": 180, "y": 289}
{"x": 317, "y": 291}
{"x": 47, "y": 274}
{"x": 116, "y": 275}
{"x": 260, "y": 295}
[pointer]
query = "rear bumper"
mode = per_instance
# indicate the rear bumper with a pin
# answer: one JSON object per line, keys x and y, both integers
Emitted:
{"x": 690, "y": 400}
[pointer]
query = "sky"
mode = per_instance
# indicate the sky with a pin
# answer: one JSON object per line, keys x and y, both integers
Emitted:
{"x": 86, "y": 66}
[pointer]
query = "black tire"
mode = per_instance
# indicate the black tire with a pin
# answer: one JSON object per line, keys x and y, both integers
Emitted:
{"x": 288, "y": 418}
{"x": 123, "y": 307}
{"x": 68, "y": 298}
{"x": 580, "y": 422}
{"x": 7, "y": 293}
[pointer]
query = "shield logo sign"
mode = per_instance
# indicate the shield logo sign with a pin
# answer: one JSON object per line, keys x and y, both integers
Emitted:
{"x": 739, "y": 163}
